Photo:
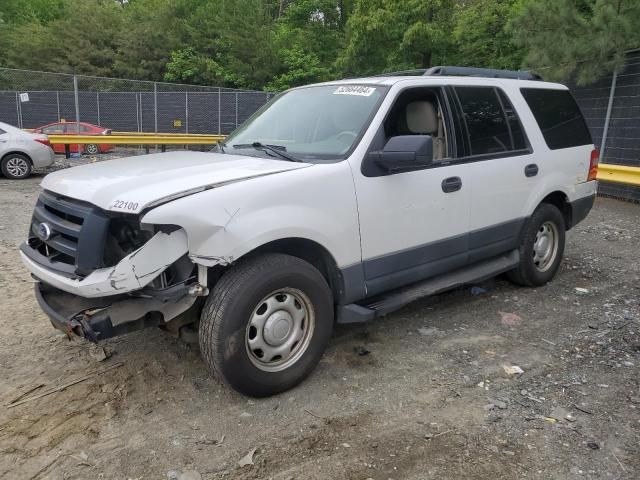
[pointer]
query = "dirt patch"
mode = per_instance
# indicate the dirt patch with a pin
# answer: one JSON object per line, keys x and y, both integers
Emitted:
{"x": 420, "y": 394}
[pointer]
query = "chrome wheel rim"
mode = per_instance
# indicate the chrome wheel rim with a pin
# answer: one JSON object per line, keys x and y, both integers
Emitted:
{"x": 280, "y": 330}
{"x": 92, "y": 149}
{"x": 17, "y": 167}
{"x": 545, "y": 246}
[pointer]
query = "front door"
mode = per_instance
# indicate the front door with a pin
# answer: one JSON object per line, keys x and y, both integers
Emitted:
{"x": 414, "y": 224}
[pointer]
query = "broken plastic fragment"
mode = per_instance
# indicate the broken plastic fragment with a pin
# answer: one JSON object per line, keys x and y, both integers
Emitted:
{"x": 248, "y": 458}
{"x": 512, "y": 370}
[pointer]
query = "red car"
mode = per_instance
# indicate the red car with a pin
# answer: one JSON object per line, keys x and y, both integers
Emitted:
{"x": 76, "y": 128}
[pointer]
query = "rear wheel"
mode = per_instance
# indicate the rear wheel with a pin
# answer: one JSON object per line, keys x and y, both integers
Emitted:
{"x": 541, "y": 247}
{"x": 16, "y": 166}
{"x": 92, "y": 149}
{"x": 266, "y": 324}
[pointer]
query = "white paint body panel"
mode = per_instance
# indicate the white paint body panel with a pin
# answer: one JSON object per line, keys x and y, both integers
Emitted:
{"x": 501, "y": 191}
{"x": 142, "y": 180}
{"x": 19, "y": 141}
{"x": 316, "y": 203}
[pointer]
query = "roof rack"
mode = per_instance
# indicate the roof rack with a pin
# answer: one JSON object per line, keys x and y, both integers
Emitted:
{"x": 402, "y": 73}
{"x": 482, "y": 72}
{"x": 465, "y": 72}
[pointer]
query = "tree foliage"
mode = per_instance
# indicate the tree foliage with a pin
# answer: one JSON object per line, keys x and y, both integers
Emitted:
{"x": 277, "y": 44}
{"x": 482, "y": 35}
{"x": 582, "y": 38}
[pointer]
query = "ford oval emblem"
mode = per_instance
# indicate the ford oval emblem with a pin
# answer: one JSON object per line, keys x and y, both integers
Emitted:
{"x": 44, "y": 231}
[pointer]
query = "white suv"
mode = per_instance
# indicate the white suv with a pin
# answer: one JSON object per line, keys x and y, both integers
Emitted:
{"x": 341, "y": 201}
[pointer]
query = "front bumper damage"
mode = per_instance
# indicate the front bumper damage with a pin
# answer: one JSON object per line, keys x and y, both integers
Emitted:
{"x": 105, "y": 317}
{"x": 133, "y": 272}
{"x": 115, "y": 300}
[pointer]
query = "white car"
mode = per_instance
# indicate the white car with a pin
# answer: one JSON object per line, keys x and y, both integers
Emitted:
{"x": 341, "y": 201}
{"x": 21, "y": 152}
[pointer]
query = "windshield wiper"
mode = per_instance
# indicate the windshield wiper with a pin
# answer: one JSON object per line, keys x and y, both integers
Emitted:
{"x": 276, "y": 149}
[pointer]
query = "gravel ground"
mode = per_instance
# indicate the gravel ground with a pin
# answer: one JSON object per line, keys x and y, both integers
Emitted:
{"x": 420, "y": 394}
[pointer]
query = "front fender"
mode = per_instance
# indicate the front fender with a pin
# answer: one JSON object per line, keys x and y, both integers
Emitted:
{"x": 225, "y": 223}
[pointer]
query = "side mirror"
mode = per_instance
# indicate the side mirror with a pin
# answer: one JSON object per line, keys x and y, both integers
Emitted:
{"x": 405, "y": 153}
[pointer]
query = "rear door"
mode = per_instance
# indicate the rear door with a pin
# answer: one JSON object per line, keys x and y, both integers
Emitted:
{"x": 501, "y": 166}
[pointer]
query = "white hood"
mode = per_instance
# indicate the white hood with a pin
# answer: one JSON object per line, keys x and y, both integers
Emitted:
{"x": 130, "y": 184}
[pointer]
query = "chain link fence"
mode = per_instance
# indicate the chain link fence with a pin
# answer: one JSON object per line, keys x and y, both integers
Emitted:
{"x": 612, "y": 110}
{"x": 31, "y": 99}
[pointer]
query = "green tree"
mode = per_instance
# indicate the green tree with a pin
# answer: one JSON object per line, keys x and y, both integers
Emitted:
{"x": 397, "y": 34}
{"x": 481, "y": 34}
{"x": 29, "y": 11}
{"x": 308, "y": 38}
{"x": 583, "y": 39}
{"x": 74, "y": 43}
{"x": 226, "y": 43}
{"x": 149, "y": 32}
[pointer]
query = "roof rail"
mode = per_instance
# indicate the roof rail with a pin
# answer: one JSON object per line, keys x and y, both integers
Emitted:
{"x": 481, "y": 72}
{"x": 402, "y": 73}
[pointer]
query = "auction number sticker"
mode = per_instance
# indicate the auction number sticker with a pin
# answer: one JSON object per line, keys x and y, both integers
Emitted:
{"x": 359, "y": 90}
{"x": 124, "y": 205}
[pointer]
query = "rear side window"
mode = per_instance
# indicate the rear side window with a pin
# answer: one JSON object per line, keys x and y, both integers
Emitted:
{"x": 513, "y": 122}
{"x": 492, "y": 124}
{"x": 2, "y": 132}
{"x": 558, "y": 117}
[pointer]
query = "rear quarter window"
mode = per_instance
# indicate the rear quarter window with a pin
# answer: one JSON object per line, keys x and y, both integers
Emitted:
{"x": 558, "y": 117}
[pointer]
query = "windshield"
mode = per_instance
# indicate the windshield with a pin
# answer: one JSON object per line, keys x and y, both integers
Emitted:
{"x": 314, "y": 123}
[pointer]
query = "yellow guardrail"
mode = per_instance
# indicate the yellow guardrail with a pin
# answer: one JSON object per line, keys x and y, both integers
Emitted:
{"x": 619, "y": 174}
{"x": 171, "y": 134}
{"x": 136, "y": 139}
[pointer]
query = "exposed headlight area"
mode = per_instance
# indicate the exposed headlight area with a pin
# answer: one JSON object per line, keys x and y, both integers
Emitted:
{"x": 77, "y": 238}
{"x": 124, "y": 236}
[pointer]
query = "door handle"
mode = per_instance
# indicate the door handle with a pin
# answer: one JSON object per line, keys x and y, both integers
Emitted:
{"x": 531, "y": 170}
{"x": 451, "y": 184}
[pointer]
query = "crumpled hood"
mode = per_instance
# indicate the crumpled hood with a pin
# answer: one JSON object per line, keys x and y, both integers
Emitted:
{"x": 133, "y": 183}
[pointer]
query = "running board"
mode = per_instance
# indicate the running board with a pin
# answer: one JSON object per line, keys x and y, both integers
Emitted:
{"x": 390, "y": 302}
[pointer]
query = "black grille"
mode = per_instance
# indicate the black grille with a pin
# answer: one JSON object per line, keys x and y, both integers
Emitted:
{"x": 76, "y": 233}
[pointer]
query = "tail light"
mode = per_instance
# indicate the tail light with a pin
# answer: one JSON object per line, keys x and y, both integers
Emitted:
{"x": 43, "y": 141}
{"x": 593, "y": 164}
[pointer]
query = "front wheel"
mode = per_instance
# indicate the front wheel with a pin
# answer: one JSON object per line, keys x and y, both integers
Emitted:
{"x": 541, "y": 247}
{"x": 266, "y": 324}
{"x": 16, "y": 166}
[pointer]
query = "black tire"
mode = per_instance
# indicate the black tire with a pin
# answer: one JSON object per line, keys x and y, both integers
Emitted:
{"x": 91, "y": 149}
{"x": 529, "y": 273}
{"x": 16, "y": 166}
{"x": 237, "y": 298}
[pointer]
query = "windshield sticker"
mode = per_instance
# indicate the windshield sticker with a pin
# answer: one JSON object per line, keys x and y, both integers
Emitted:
{"x": 359, "y": 90}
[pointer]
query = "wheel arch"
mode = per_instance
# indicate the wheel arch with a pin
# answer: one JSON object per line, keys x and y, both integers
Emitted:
{"x": 311, "y": 252}
{"x": 18, "y": 152}
{"x": 560, "y": 200}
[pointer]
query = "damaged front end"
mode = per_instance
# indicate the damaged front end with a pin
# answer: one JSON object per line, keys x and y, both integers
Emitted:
{"x": 102, "y": 274}
{"x": 105, "y": 317}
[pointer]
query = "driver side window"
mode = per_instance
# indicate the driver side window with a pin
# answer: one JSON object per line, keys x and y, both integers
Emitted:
{"x": 419, "y": 111}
